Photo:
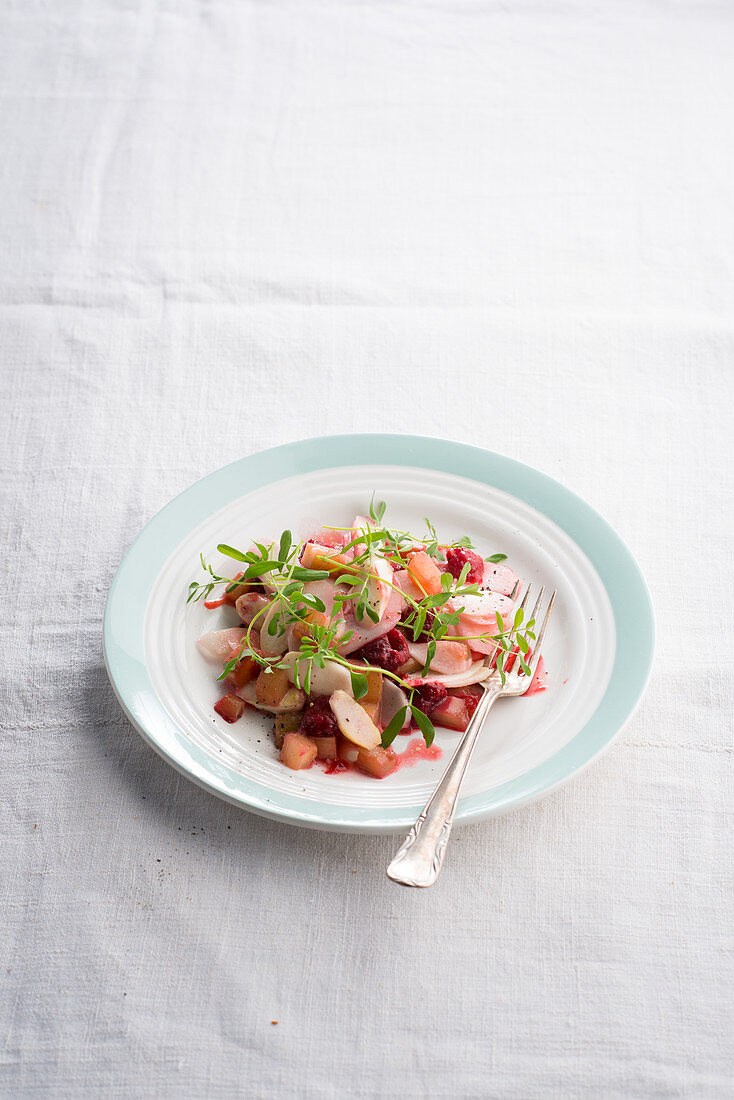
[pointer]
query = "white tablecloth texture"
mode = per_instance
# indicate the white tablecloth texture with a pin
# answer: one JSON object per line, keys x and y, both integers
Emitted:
{"x": 228, "y": 224}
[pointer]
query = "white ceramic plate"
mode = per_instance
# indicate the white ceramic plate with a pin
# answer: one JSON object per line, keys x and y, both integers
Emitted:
{"x": 597, "y": 657}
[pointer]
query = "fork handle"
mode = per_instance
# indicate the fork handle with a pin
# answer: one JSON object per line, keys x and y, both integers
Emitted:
{"x": 418, "y": 861}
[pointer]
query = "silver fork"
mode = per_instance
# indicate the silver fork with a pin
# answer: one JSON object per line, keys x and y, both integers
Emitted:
{"x": 419, "y": 859}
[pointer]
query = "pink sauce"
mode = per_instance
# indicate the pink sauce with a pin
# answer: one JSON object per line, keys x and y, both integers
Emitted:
{"x": 416, "y": 751}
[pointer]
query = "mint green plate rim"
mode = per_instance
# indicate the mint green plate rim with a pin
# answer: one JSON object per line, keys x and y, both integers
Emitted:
{"x": 128, "y": 597}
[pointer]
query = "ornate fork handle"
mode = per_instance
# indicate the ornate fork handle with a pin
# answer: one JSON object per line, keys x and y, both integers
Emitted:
{"x": 418, "y": 861}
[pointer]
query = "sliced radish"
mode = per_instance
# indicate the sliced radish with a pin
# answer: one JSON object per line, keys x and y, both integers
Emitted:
{"x": 250, "y": 604}
{"x": 367, "y": 631}
{"x": 221, "y": 645}
{"x": 393, "y": 700}
{"x": 499, "y": 578}
{"x": 473, "y": 675}
{"x": 324, "y": 681}
{"x": 272, "y": 645}
{"x": 450, "y": 657}
{"x": 354, "y": 722}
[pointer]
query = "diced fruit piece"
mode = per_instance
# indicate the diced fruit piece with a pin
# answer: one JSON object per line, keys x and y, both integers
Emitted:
{"x": 457, "y": 557}
{"x": 374, "y": 687}
{"x": 310, "y": 618}
{"x": 285, "y": 723}
{"x": 315, "y": 556}
{"x": 233, "y": 592}
{"x": 325, "y": 748}
{"x": 298, "y": 751}
{"x": 429, "y": 695}
{"x": 293, "y": 700}
{"x": 471, "y": 696}
{"x": 409, "y": 667}
{"x": 378, "y": 762}
{"x": 346, "y": 750}
{"x": 371, "y": 709}
{"x": 425, "y": 573}
{"x": 353, "y": 722}
{"x": 271, "y": 687}
{"x": 452, "y": 713}
{"x": 244, "y": 671}
{"x": 229, "y": 707}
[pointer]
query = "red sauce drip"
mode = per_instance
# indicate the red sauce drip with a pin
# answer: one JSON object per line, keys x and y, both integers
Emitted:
{"x": 212, "y": 605}
{"x": 538, "y": 681}
{"x": 416, "y": 751}
{"x": 334, "y": 767}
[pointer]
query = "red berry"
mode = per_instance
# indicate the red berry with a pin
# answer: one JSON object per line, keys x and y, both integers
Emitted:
{"x": 399, "y": 644}
{"x": 456, "y": 559}
{"x": 388, "y": 652}
{"x": 318, "y": 719}
{"x": 429, "y": 695}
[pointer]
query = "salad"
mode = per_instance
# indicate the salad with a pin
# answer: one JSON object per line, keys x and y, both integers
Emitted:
{"x": 358, "y": 634}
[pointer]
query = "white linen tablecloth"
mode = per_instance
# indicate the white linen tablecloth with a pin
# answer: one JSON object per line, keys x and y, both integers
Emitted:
{"x": 227, "y": 225}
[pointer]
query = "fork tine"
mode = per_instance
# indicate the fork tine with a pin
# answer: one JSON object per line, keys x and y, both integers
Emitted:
{"x": 520, "y": 608}
{"x": 524, "y": 599}
{"x": 533, "y": 662}
{"x": 516, "y": 585}
{"x": 535, "y": 610}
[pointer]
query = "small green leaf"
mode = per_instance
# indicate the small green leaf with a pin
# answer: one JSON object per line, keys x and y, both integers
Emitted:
{"x": 425, "y": 725}
{"x": 259, "y": 568}
{"x": 231, "y": 552}
{"x": 525, "y": 667}
{"x": 348, "y": 578}
{"x": 430, "y": 654}
{"x": 500, "y": 624}
{"x": 494, "y": 558}
{"x": 359, "y": 685}
{"x": 393, "y": 728}
{"x": 522, "y": 643}
{"x": 372, "y": 613}
{"x": 301, "y": 574}
{"x": 273, "y": 626}
{"x": 519, "y": 616}
{"x": 446, "y": 581}
{"x": 286, "y": 541}
{"x": 313, "y": 602}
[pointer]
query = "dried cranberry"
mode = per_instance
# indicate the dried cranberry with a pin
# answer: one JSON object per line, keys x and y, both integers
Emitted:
{"x": 429, "y": 695}
{"x": 456, "y": 559}
{"x": 318, "y": 719}
{"x": 388, "y": 652}
{"x": 397, "y": 640}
